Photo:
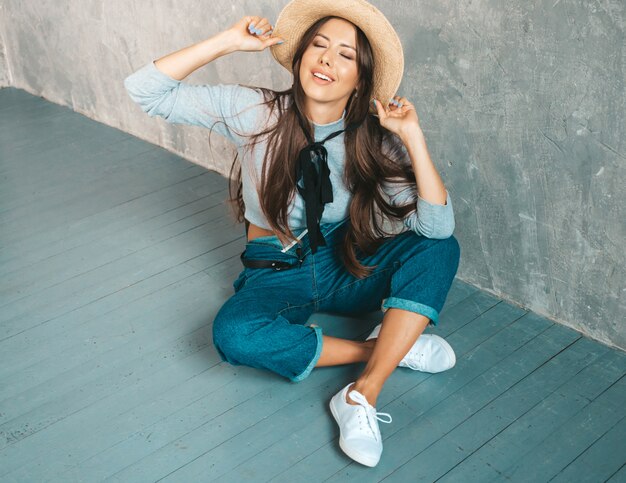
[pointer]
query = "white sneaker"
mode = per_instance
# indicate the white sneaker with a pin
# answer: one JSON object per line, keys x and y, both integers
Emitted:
{"x": 430, "y": 353}
{"x": 359, "y": 436}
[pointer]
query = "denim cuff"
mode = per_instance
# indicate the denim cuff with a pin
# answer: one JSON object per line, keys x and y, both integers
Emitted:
{"x": 398, "y": 303}
{"x": 318, "y": 353}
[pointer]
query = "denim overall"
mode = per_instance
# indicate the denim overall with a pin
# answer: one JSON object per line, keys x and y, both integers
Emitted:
{"x": 262, "y": 324}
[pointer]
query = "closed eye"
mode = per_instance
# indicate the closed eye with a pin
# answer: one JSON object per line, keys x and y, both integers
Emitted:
{"x": 318, "y": 45}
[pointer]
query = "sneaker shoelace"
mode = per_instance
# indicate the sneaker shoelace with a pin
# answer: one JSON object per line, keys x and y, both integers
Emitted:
{"x": 414, "y": 360}
{"x": 370, "y": 411}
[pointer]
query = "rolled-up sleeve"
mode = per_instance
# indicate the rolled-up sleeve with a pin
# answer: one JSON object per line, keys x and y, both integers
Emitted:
{"x": 431, "y": 220}
{"x": 231, "y": 110}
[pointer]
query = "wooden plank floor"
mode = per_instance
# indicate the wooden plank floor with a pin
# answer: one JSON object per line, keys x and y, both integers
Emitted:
{"x": 115, "y": 255}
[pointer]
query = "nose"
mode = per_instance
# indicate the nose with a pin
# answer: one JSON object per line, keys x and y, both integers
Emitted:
{"x": 325, "y": 58}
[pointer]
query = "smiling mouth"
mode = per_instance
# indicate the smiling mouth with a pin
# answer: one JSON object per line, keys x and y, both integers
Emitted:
{"x": 321, "y": 81}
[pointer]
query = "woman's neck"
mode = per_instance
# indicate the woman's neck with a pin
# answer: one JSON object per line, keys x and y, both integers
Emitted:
{"x": 323, "y": 115}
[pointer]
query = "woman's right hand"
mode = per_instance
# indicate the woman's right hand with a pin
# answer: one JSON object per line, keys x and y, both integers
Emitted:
{"x": 244, "y": 37}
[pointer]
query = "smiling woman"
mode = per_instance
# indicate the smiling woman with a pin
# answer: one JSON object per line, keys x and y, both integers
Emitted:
{"x": 331, "y": 55}
{"x": 328, "y": 168}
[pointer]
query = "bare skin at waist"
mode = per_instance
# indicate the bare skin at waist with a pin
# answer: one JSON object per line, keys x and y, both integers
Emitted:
{"x": 255, "y": 231}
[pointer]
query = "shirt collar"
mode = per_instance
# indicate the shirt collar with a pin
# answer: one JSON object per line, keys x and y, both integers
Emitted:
{"x": 323, "y": 130}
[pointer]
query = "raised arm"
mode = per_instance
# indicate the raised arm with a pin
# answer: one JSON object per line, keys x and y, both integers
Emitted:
{"x": 226, "y": 108}
{"x": 431, "y": 220}
{"x": 239, "y": 37}
{"x": 183, "y": 62}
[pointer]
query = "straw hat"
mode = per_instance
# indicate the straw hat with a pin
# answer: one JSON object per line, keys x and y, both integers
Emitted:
{"x": 298, "y": 15}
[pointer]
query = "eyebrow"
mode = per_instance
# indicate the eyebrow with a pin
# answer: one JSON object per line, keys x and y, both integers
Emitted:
{"x": 343, "y": 45}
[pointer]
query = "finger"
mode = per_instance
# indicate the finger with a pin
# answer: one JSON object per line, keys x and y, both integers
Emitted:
{"x": 264, "y": 30}
{"x": 379, "y": 108}
{"x": 396, "y": 102}
{"x": 268, "y": 31}
{"x": 269, "y": 41}
{"x": 402, "y": 102}
{"x": 253, "y": 26}
{"x": 407, "y": 105}
{"x": 262, "y": 25}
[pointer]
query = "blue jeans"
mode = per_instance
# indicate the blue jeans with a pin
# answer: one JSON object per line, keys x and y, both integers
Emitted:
{"x": 262, "y": 324}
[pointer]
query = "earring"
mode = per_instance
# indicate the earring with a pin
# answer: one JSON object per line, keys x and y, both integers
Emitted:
{"x": 356, "y": 93}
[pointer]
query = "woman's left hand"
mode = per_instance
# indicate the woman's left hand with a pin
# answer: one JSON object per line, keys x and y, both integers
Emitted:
{"x": 401, "y": 119}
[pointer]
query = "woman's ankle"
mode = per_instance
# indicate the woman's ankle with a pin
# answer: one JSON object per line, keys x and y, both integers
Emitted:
{"x": 370, "y": 391}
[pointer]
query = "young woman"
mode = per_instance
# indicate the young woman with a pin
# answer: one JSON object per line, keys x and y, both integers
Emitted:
{"x": 324, "y": 164}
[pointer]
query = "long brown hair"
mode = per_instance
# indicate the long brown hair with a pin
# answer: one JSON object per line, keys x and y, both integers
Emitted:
{"x": 373, "y": 155}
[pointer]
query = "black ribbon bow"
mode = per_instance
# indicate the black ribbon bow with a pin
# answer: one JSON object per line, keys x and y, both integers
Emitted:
{"x": 313, "y": 183}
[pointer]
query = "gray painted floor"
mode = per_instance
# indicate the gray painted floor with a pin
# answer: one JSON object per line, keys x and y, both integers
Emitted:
{"x": 115, "y": 256}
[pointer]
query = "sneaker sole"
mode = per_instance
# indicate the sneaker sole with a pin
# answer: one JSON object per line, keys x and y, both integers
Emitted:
{"x": 355, "y": 455}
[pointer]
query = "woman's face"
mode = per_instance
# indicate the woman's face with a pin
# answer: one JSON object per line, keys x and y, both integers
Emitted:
{"x": 331, "y": 52}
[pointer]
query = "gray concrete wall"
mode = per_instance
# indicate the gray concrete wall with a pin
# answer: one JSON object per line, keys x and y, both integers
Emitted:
{"x": 522, "y": 104}
{"x": 5, "y": 79}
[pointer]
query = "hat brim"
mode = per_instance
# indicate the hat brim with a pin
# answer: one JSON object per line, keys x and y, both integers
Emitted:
{"x": 298, "y": 15}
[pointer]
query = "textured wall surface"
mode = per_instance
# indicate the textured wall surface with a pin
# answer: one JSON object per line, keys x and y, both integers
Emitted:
{"x": 5, "y": 79}
{"x": 522, "y": 104}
